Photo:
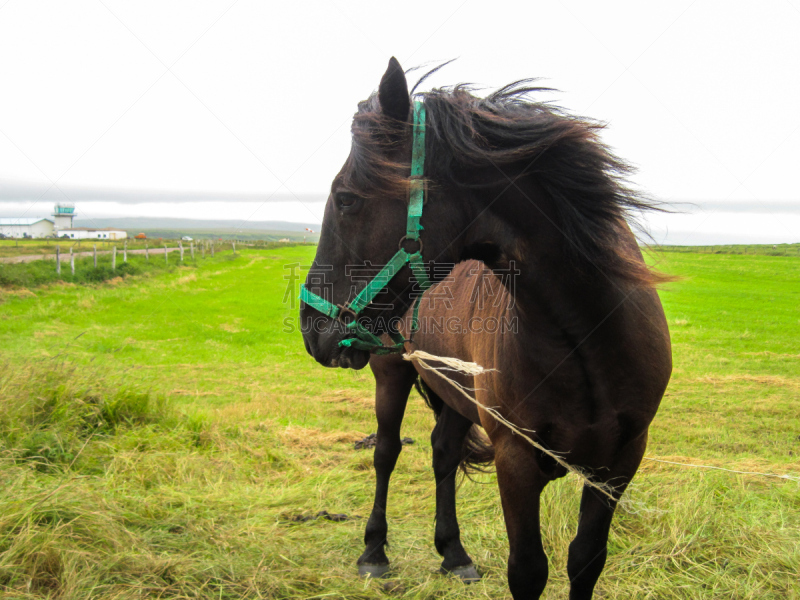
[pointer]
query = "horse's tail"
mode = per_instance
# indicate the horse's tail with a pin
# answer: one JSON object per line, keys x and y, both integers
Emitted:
{"x": 477, "y": 452}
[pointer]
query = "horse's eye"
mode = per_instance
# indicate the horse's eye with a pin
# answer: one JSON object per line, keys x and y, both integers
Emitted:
{"x": 346, "y": 200}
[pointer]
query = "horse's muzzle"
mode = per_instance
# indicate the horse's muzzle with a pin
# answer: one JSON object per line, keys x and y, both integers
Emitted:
{"x": 321, "y": 338}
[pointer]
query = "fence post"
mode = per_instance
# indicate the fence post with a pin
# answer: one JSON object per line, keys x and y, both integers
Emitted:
{"x": 180, "y": 245}
{"x": 72, "y": 261}
{"x": 203, "y": 249}
{"x": 191, "y": 249}
{"x": 166, "y": 256}
{"x": 233, "y": 244}
{"x": 146, "y": 251}
{"x": 212, "y": 248}
{"x": 125, "y": 252}
{"x": 58, "y": 260}
{"x": 114, "y": 258}
{"x": 94, "y": 246}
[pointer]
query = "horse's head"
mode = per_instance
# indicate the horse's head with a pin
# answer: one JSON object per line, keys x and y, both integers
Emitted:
{"x": 366, "y": 221}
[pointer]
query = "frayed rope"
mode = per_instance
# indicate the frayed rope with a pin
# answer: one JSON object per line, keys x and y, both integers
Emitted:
{"x": 471, "y": 368}
{"x": 680, "y": 464}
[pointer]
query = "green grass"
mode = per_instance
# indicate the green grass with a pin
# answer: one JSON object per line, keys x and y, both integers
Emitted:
{"x": 159, "y": 433}
{"x": 735, "y": 325}
{"x": 754, "y": 249}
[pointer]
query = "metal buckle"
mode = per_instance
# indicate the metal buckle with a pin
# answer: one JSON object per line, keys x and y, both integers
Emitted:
{"x": 404, "y": 239}
{"x": 344, "y": 310}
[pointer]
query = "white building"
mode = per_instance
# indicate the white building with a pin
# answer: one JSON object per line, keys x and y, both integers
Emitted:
{"x": 63, "y": 213}
{"x": 59, "y": 226}
{"x": 39, "y": 227}
{"x": 84, "y": 233}
{"x": 26, "y": 227}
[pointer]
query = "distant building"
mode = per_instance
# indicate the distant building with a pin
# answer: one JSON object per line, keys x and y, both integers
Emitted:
{"x": 85, "y": 233}
{"x": 59, "y": 226}
{"x": 63, "y": 213}
{"x": 39, "y": 227}
{"x": 26, "y": 227}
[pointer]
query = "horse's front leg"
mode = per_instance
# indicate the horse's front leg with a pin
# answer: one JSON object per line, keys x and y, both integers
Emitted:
{"x": 447, "y": 441}
{"x": 521, "y": 483}
{"x": 394, "y": 378}
{"x": 587, "y": 552}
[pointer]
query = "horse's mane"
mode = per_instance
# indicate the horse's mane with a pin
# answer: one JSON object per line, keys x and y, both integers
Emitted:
{"x": 508, "y": 135}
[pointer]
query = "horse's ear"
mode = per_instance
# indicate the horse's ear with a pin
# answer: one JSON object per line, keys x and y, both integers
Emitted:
{"x": 393, "y": 92}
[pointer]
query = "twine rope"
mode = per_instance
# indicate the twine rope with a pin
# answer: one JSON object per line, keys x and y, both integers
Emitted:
{"x": 470, "y": 368}
{"x": 681, "y": 464}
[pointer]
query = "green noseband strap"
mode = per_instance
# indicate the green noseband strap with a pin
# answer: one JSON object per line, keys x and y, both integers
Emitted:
{"x": 365, "y": 339}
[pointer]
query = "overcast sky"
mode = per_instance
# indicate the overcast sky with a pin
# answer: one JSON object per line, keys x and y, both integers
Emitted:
{"x": 246, "y": 105}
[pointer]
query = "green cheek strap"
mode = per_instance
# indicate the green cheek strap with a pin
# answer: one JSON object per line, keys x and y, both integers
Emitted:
{"x": 365, "y": 339}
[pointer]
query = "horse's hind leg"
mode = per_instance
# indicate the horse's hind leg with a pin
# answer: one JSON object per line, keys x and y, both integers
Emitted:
{"x": 521, "y": 483}
{"x": 394, "y": 378}
{"x": 447, "y": 441}
{"x": 587, "y": 552}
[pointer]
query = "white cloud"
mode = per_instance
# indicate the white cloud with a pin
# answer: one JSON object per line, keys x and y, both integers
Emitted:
{"x": 702, "y": 96}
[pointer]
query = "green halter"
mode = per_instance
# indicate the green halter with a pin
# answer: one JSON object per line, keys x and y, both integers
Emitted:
{"x": 349, "y": 313}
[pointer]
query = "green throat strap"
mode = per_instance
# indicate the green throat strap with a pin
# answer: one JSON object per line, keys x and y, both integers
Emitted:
{"x": 365, "y": 339}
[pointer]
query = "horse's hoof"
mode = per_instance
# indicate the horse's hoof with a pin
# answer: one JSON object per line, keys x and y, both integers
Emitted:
{"x": 373, "y": 571}
{"x": 467, "y": 573}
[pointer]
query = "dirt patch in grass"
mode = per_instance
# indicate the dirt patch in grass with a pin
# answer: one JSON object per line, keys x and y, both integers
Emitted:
{"x": 349, "y": 397}
{"x": 86, "y": 303}
{"x": 19, "y": 293}
{"x": 51, "y": 331}
{"x": 196, "y": 393}
{"x": 767, "y": 353}
{"x": 303, "y": 437}
{"x": 185, "y": 279}
{"x": 766, "y": 380}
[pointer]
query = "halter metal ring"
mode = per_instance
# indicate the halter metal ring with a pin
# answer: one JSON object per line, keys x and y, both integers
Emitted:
{"x": 343, "y": 311}
{"x": 405, "y": 238}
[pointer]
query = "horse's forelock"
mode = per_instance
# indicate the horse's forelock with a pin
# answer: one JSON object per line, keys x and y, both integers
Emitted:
{"x": 371, "y": 169}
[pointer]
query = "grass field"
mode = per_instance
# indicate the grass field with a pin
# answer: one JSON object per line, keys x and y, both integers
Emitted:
{"x": 763, "y": 249}
{"x": 160, "y": 434}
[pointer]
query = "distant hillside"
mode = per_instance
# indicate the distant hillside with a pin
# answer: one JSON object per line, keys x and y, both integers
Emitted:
{"x": 156, "y": 227}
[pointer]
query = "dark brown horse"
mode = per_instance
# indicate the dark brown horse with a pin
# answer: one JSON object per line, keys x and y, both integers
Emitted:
{"x": 535, "y": 196}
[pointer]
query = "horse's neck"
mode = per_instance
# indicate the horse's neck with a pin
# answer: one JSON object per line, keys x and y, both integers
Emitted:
{"x": 538, "y": 263}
